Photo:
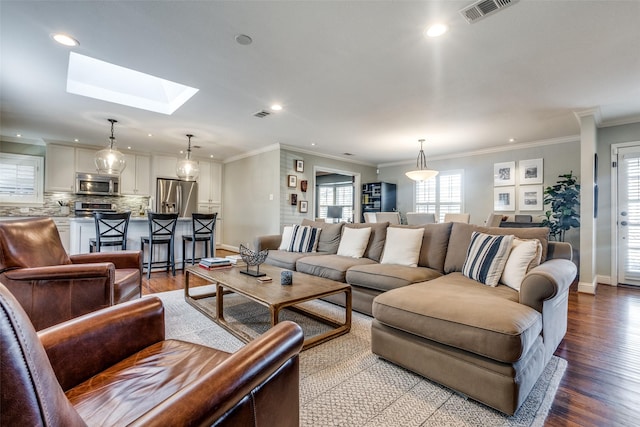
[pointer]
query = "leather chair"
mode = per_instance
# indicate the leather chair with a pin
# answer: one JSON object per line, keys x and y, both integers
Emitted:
{"x": 114, "y": 367}
{"x": 52, "y": 286}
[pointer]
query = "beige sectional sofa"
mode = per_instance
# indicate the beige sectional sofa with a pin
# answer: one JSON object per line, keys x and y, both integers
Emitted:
{"x": 489, "y": 343}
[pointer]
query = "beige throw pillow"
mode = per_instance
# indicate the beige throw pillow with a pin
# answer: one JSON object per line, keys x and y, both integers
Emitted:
{"x": 402, "y": 246}
{"x": 525, "y": 254}
{"x": 354, "y": 242}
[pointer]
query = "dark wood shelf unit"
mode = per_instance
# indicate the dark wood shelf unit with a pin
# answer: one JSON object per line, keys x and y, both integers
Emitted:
{"x": 378, "y": 197}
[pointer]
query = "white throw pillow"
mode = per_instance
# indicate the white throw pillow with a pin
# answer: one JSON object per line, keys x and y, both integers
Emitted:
{"x": 287, "y": 236}
{"x": 354, "y": 241}
{"x": 525, "y": 254}
{"x": 486, "y": 257}
{"x": 402, "y": 246}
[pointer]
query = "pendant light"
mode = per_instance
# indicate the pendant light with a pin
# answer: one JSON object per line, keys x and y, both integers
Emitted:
{"x": 110, "y": 160}
{"x": 187, "y": 169}
{"x": 423, "y": 173}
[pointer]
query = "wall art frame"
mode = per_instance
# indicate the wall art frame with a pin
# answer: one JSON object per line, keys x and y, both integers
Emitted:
{"x": 531, "y": 171}
{"x": 293, "y": 199}
{"x": 530, "y": 198}
{"x": 504, "y": 174}
{"x": 299, "y": 166}
{"x": 504, "y": 199}
{"x": 292, "y": 181}
{"x": 304, "y": 206}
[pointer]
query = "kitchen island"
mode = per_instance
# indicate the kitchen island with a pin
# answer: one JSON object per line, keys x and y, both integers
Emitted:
{"x": 83, "y": 228}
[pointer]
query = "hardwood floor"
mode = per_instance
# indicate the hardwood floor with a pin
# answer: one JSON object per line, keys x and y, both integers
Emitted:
{"x": 601, "y": 386}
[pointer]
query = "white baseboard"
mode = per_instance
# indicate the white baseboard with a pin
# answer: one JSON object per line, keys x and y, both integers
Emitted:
{"x": 587, "y": 287}
{"x": 229, "y": 248}
{"x": 605, "y": 280}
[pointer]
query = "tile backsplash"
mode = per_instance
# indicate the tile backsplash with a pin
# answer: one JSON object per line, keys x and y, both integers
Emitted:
{"x": 51, "y": 207}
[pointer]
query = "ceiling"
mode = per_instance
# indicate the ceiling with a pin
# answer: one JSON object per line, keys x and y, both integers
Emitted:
{"x": 353, "y": 77}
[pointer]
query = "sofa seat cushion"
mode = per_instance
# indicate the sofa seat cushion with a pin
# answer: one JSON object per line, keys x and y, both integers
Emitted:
{"x": 332, "y": 267}
{"x": 285, "y": 259}
{"x": 462, "y": 313}
{"x": 384, "y": 277}
{"x": 130, "y": 388}
{"x": 126, "y": 286}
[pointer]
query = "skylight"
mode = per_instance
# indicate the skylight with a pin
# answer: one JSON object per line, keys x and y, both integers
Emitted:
{"x": 101, "y": 80}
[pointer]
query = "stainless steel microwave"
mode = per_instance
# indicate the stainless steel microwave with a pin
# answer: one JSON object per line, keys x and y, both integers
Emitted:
{"x": 97, "y": 185}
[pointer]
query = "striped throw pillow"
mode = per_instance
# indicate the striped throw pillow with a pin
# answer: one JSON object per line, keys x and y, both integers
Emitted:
{"x": 300, "y": 238}
{"x": 486, "y": 257}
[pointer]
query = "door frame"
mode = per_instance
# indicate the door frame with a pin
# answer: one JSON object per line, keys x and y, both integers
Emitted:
{"x": 357, "y": 191}
{"x": 614, "y": 206}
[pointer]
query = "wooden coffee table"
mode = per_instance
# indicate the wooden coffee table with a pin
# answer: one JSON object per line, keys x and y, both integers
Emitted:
{"x": 272, "y": 295}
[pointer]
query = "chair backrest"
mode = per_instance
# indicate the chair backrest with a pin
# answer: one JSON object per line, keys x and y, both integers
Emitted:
{"x": 30, "y": 243}
{"x": 523, "y": 218}
{"x": 162, "y": 225}
{"x": 390, "y": 217}
{"x": 457, "y": 217}
{"x": 493, "y": 220}
{"x": 369, "y": 217}
{"x": 29, "y": 390}
{"x": 203, "y": 224}
{"x": 111, "y": 227}
{"x": 419, "y": 218}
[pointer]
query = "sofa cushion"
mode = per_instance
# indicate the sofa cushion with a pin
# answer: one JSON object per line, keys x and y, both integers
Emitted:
{"x": 462, "y": 313}
{"x": 284, "y": 259}
{"x": 383, "y": 277}
{"x": 376, "y": 240}
{"x": 461, "y": 236}
{"x": 299, "y": 238}
{"x": 486, "y": 257}
{"x": 402, "y": 246}
{"x": 329, "y": 236}
{"x": 332, "y": 267}
{"x": 354, "y": 241}
{"x": 434, "y": 246}
{"x": 525, "y": 254}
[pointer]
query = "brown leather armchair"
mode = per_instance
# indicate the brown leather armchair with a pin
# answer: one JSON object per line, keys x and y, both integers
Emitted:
{"x": 52, "y": 286}
{"x": 114, "y": 367}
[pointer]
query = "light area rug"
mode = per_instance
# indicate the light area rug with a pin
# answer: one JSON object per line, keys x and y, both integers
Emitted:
{"x": 343, "y": 384}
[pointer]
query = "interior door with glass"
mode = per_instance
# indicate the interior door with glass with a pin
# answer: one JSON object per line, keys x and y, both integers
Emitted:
{"x": 628, "y": 223}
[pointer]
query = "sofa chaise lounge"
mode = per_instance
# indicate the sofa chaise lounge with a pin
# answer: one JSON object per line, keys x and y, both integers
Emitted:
{"x": 490, "y": 343}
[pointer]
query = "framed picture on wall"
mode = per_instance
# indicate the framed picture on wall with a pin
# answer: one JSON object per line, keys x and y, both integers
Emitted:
{"x": 504, "y": 199}
{"x": 293, "y": 181}
{"x": 299, "y": 166}
{"x": 304, "y": 206}
{"x": 530, "y": 198}
{"x": 504, "y": 174}
{"x": 531, "y": 171}
{"x": 294, "y": 199}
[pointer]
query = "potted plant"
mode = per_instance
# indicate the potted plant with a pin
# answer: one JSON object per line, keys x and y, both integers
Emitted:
{"x": 564, "y": 200}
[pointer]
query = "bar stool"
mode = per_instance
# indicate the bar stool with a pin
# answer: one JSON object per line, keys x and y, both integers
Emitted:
{"x": 162, "y": 229}
{"x": 203, "y": 230}
{"x": 111, "y": 230}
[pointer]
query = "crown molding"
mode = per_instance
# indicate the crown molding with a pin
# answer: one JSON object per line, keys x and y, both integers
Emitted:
{"x": 252, "y": 153}
{"x": 492, "y": 150}
{"x": 326, "y": 156}
{"x": 595, "y": 112}
{"x": 22, "y": 140}
{"x": 620, "y": 122}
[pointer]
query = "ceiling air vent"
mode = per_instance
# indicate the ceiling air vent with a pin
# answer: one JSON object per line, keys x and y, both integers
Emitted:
{"x": 261, "y": 114}
{"x": 482, "y": 8}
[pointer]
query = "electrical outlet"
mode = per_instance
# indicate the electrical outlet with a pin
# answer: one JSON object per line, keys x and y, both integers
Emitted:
{"x": 24, "y": 210}
{"x": 270, "y": 196}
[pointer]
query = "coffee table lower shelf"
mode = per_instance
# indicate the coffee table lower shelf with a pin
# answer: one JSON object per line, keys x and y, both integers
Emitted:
{"x": 233, "y": 282}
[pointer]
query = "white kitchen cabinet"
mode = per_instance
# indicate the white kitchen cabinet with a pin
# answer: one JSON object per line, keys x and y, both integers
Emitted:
{"x": 164, "y": 167}
{"x": 135, "y": 179}
{"x": 85, "y": 160}
{"x": 62, "y": 224}
{"x": 210, "y": 182}
{"x": 60, "y": 168}
{"x": 208, "y": 208}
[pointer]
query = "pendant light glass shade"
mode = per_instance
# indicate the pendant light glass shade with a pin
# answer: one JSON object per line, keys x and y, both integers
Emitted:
{"x": 110, "y": 160}
{"x": 187, "y": 169}
{"x": 423, "y": 173}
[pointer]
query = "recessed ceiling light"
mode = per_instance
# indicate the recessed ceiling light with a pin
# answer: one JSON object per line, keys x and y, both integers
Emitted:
{"x": 276, "y": 107}
{"x": 512, "y": 140}
{"x": 244, "y": 39}
{"x": 313, "y": 144}
{"x": 149, "y": 135}
{"x": 65, "y": 39}
{"x": 19, "y": 135}
{"x": 211, "y": 155}
{"x": 76, "y": 140}
{"x": 97, "y": 79}
{"x": 436, "y": 30}
{"x": 129, "y": 148}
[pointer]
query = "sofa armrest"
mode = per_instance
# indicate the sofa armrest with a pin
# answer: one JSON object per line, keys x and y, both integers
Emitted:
{"x": 546, "y": 281}
{"x": 218, "y": 391}
{"x": 82, "y": 347}
{"x": 61, "y": 272}
{"x": 268, "y": 242}
{"x": 559, "y": 250}
{"x": 121, "y": 259}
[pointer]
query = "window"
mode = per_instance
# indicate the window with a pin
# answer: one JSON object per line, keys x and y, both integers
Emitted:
{"x": 336, "y": 195}
{"x": 440, "y": 195}
{"x": 21, "y": 179}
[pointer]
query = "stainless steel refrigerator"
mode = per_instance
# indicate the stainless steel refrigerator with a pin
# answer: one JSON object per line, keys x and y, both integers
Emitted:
{"x": 175, "y": 196}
